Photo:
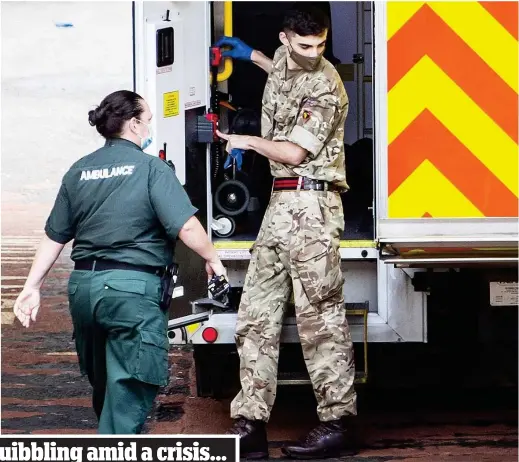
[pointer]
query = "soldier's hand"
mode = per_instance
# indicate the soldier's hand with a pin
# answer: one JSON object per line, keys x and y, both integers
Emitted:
{"x": 239, "y": 50}
{"x": 215, "y": 267}
{"x": 27, "y": 305}
{"x": 235, "y": 141}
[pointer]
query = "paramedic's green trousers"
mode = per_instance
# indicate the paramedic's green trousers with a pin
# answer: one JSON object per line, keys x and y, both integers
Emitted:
{"x": 122, "y": 344}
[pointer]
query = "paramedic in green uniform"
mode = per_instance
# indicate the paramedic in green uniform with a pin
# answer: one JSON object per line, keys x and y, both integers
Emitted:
{"x": 124, "y": 209}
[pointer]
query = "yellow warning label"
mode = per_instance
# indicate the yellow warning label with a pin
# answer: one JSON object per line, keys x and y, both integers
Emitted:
{"x": 171, "y": 104}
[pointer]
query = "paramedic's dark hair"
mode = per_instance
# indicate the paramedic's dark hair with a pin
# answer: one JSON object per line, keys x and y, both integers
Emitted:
{"x": 305, "y": 20}
{"x": 114, "y": 110}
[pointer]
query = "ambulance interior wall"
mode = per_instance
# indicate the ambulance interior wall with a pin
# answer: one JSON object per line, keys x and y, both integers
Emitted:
{"x": 258, "y": 24}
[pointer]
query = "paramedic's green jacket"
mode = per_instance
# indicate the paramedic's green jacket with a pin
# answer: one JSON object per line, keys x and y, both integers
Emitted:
{"x": 122, "y": 205}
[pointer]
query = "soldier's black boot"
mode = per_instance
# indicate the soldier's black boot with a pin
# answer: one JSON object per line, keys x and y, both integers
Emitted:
{"x": 253, "y": 438}
{"x": 329, "y": 439}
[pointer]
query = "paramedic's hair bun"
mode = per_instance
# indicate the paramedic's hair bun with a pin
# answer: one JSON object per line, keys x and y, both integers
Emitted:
{"x": 117, "y": 108}
{"x": 97, "y": 115}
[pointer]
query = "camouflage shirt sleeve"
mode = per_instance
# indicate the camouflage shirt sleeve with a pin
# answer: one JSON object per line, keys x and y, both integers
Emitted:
{"x": 317, "y": 119}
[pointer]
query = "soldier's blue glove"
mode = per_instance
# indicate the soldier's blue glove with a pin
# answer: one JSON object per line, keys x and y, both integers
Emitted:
{"x": 240, "y": 50}
{"x": 236, "y": 155}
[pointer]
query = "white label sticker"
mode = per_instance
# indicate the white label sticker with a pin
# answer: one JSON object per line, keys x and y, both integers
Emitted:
{"x": 164, "y": 70}
{"x": 233, "y": 254}
{"x": 191, "y": 104}
{"x": 178, "y": 292}
{"x": 504, "y": 294}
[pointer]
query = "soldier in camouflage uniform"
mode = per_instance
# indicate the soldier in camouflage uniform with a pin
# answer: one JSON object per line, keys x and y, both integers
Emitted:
{"x": 297, "y": 249}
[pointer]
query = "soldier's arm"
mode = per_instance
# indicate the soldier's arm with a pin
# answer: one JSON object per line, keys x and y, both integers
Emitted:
{"x": 317, "y": 120}
{"x": 240, "y": 50}
{"x": 258, "y": 58}
{"x": 315, "y": 125}
{"x": 278, "y": 151}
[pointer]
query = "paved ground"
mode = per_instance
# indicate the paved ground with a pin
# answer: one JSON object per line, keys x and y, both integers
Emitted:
{"x": 50, "y": 79}
{"x": 43, "y": 392}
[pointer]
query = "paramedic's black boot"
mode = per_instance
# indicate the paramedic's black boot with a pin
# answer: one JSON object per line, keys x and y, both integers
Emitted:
{"x": 329, "y": 439}
{"x": 253, "y": 438}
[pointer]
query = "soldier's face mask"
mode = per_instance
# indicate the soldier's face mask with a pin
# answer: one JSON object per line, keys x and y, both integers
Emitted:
{"x": 307, "y": 63}
{"x": 145, "y": 141}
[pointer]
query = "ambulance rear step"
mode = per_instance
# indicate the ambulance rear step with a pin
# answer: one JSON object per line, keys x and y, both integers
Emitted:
{"x": 301, "y": 378}
{"x": 188, "y": 320}
{"x": 202, "y": 311}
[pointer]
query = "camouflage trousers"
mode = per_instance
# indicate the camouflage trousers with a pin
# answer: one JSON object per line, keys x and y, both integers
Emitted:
{"x": 297, "y": 250}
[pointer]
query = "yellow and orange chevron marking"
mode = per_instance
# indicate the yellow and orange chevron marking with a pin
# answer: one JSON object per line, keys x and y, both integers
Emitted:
{"x": 453, "y": 109}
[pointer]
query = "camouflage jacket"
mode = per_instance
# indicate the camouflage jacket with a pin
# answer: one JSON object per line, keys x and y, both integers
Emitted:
{"x": 308, "y": 109}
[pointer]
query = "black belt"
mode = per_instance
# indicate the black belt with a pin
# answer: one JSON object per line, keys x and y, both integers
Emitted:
{"x": 302, "y": 183}
{"x": 105, "y": 265}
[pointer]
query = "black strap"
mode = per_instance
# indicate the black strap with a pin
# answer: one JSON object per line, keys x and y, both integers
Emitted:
{"x": 105, "y": 265}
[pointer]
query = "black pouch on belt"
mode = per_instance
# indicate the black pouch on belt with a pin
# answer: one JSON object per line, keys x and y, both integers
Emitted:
{"x": 168, "y": 281}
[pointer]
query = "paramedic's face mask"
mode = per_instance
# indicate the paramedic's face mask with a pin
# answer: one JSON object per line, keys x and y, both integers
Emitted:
{"x": 313, "y": 46}
{"x": 145, "y": 141}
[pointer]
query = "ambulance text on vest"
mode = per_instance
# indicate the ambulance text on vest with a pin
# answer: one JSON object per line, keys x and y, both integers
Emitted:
{"x": 106, "y": 172}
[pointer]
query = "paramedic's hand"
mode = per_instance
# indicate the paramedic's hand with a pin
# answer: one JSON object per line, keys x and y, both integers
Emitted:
{"x": 215, "y": 267}
{"x": 239, "y": 49}
{"x": 27, "y": 305}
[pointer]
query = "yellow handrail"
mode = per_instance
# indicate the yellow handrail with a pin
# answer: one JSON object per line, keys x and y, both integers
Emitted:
{"x": 227, "y": 31}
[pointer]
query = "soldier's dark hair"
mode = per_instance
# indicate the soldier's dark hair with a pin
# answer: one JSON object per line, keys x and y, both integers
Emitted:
{"x": 118, "y": 107}
{"x": 305, "y": 20}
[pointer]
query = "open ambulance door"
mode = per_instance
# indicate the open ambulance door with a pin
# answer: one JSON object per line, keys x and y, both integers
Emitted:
{"x": 171, "y": 41}
{"x": 171, "y": 69}
{"x": 447, "y": 157}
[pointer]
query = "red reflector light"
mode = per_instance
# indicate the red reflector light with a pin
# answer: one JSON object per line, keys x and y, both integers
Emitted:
{"x": 162, "y": 154}
{"x": 210, "y": 334}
